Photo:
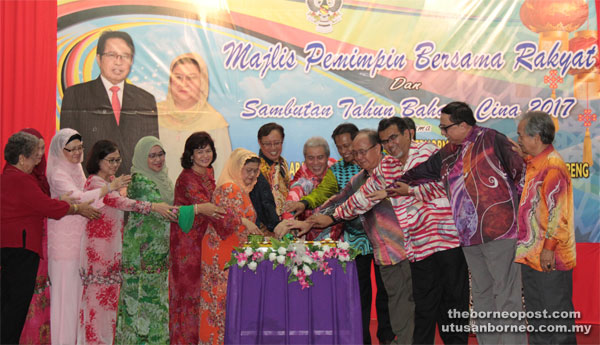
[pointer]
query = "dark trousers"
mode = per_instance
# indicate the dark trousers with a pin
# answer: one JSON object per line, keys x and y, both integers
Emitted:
{"x": 18, "y": 270}
{"x": 550, "y": 291}
{"x": 440, "y": 283}
{"x": 384, "y": 329}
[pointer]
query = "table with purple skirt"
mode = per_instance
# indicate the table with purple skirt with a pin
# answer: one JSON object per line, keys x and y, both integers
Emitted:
{"x": 263, "y": 308}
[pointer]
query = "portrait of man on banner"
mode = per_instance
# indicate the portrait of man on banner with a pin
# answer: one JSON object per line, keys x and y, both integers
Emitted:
{"x": 109, "y": 107}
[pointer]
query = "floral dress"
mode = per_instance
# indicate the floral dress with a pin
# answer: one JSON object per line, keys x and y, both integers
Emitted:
{"x": 37, "y": 324}
{"x": 143, "y": 316}
{"x": 100, "y": 269}
{"x": 186, "y": 254}
{"x": 217, "y": 245}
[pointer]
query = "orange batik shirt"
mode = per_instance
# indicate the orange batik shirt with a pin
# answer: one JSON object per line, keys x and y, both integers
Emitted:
{"x": 545, "y": 216}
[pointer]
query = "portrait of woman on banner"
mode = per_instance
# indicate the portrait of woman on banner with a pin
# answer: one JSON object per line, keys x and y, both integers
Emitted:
{"x": 186, "y": 110}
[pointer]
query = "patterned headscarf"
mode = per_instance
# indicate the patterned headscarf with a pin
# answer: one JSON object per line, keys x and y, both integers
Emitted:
{"x": 233, "y": 169}
{"x": 140, "y": 166}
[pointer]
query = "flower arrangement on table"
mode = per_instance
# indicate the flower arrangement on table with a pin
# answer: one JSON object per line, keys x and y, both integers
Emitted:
{"x": 300, "y": 258}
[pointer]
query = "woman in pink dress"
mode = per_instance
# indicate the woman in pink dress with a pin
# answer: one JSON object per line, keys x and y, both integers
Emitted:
{"x": 65, "y": 175}
{"x": 101, "y": 246}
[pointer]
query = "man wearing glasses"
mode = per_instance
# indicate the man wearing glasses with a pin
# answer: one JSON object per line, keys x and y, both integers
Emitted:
{"x": 109, "y": 107}
{"x": 483, "y": 178}
{"x": 383, "y": 230}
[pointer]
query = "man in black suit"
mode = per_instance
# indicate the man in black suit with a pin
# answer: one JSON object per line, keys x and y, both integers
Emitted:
{"x": 108, "y": 107}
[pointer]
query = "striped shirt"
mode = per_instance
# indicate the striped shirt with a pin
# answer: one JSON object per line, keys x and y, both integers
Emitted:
{"x": 425, "y": 219}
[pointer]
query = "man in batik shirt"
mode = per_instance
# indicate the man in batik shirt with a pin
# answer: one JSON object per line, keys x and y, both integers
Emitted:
{"x": 546, "y": 242}
{"x": 482, "y": 176}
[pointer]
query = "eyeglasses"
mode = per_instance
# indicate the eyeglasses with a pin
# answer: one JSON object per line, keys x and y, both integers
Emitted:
{"x": 272, "y": 144}
{"x": 114, "y": 56}
{"x": 113, "y": 161}
{"x": 78, "y": 148}
{"x": 362, "y": 152}
{"x": 445, "y": 128}
{"x": 160, "y": 154}
{"x": 391, "y": 138}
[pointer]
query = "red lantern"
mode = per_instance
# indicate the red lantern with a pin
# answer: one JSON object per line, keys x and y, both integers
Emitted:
{"x": 554, "y": 19}
{"x": 586, "y": 81}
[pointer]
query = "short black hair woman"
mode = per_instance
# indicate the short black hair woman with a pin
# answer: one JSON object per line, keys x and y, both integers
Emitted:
{"x": 143, "y": 311}
{"x": 24, "y": 207}
{"x": 101, "y": 245}
{"x": 195, "y": 186}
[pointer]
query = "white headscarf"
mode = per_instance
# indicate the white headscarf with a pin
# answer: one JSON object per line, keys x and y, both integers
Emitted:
{"x": 58, "y": 162}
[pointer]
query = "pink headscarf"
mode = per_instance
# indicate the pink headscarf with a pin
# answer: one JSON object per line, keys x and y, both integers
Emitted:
{"x": 39, "y": 171}
{"x": 58, "y": 162}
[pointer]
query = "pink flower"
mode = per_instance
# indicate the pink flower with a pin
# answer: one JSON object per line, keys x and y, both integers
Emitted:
{"x": 257, "y": 255}
{"x": 241, "y": 257}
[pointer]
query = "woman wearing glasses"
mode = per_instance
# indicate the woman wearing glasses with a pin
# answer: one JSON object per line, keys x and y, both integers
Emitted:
{"x": 65, "y": 175}
{"x": 143, "y": 311}
{"x": 101, "y": 245}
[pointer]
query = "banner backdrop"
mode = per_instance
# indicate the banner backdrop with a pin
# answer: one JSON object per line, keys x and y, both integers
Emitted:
{"x": 311, "y": 65}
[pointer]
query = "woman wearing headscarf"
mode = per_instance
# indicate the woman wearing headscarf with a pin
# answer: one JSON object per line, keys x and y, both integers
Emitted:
{"x": 65, "y": 174}
{"x": 37, "y": 325}
{"x": 235, "y": 183}
{"x": 195, "y": 186}
{"x": 143, "y": 311}
{"x": 186, "y": 110}
{"x": 101, "y": 245}
{"x": 25, "y": 206}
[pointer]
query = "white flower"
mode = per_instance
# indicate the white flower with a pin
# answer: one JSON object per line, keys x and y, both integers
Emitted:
{"x": 343, "y": 245}
{"x": 280, "y": 259}
{"x": 248, "y": 251}
{"x": 325, "y": 248}
{"x": 241, "y": 263}
{"x": 272, "y": 256}
{"x": 320, "y": 253}
{"x": 281, "y": 251}
{"x": 295, "y": 270}
{"x": 344, "y": 258}
{"x": 307, "y": 270}
{"x": 252, "y": 265}
{"x": 307, "y": 259}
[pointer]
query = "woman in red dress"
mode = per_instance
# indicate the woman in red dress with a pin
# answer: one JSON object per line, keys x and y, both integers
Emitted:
{"x": 195, "y": 186}
{"x": 37, "y": 325}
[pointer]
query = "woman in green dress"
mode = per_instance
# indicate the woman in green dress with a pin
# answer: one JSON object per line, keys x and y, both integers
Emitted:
{"x": 144, "y": 302}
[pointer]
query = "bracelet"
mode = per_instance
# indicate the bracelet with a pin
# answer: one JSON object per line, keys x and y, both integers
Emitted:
{"x": 109, "y": 189}
{"x": 195, "y": 208}
{"x": 75, "y": 208}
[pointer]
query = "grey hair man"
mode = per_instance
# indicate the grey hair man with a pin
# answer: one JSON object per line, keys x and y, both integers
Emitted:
{"x": 546, "y": 242}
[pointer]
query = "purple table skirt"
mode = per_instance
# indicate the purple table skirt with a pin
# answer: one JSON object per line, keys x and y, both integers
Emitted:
{"x": 262, "y": 308}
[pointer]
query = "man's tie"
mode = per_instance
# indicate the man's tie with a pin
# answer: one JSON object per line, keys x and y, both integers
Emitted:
{"x": 116, "y": 105}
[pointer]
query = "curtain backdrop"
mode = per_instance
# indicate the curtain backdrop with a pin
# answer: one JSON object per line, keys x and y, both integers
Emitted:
{"x": 28, "y": 68}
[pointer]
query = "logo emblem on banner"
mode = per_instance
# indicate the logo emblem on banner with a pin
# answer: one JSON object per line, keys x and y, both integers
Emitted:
{"x": 324, "y": 13}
